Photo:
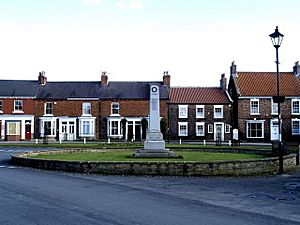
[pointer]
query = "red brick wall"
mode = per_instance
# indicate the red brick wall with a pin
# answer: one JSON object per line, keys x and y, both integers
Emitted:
{"x": 132, "y": 108}
{"x": 70, "y": 108}
{"x": 8, "y": 106}
{"x": 66, "y": 107}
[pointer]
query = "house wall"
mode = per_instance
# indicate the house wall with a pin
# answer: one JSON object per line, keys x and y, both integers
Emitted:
{"x": 129, "y": 108}
{"x": 265, "y": 114}
{"x": 208, "y": 119}
{"x": 8, "y": 105}
{"x": 70, "y": 108}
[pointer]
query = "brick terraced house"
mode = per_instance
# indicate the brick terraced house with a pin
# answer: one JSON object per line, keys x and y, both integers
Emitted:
{"x": 254, "y": 112}
{"x": 17, "y": 109}
{"x": 125, "y": 107}
{"x": 200, "y": 113}
{"x": 67, "y": 110}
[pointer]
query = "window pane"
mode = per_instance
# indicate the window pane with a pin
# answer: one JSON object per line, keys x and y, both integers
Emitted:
{"x": 13, "y": 128}
{"x": 296, "y": 107}
{"x": 255, "y": 130}
{"x": 114, "y": 127}
{"x": 18, "y": 105}
{"x": 86, "y": 127}
{"x": 49, "y": 108}
{"x": 86, "y": 108}
{"x": 296, "y": 127}
{"x": 115, "y": 108}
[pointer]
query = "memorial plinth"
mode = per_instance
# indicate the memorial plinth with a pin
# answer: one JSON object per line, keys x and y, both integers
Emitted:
{"x": 154, "y": 146}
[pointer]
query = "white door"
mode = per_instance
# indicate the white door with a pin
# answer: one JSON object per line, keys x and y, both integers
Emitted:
{"x": 274, "y": 130}
{"x": 219, "y": 131}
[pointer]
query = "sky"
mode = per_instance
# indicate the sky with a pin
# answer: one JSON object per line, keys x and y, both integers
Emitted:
{"x": 137, "y": 40}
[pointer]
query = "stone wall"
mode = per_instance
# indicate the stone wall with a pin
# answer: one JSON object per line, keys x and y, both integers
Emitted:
{"x": 217, "y": 168}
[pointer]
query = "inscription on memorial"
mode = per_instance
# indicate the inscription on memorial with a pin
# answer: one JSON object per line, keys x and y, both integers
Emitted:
{"x": 154, "y": 104}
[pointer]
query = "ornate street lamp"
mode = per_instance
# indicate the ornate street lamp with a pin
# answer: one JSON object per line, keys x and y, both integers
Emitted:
{"x": 276, "y": 38}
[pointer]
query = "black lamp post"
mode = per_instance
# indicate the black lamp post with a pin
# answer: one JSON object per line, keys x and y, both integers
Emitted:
{"x": 276, "y": 38}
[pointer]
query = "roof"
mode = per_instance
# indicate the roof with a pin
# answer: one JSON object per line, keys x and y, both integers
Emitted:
{"x": 94, "y": 89}
{"x": 131, "y": 90}
{"x": 18, "y": 88}
{"x": 68, "y": 89}
{"x": 198, "y": 95}
{"x": 265, "y": 84}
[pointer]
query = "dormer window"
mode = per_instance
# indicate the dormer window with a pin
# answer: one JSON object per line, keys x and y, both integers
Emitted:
{"x": 86, "y": 108}
{"x": 48, "y": 108}
{"x": 18, "y": 106}
{"x": 115, "y": 108}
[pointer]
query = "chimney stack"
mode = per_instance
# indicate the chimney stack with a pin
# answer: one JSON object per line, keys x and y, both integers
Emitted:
{"x": 167, "y": 79}
{"x": 233, "y": 70}
{"x": 223, "y": 82}
{"x": 42, "y": 78}
{"x": 296, "y": 69}
{"x": 104, "y": 78}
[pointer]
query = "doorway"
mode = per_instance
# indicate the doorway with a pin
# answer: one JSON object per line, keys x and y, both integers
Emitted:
{"x": 27, "y": 130}
{"x": 274, "y": 129}
{"x": 219, "y": 132}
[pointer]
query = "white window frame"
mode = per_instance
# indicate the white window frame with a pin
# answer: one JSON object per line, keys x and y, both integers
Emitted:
{"x": 292, "y": 107}
{"x": 227, "y": 128}
{"x": 274, "y": 107}
{"x": 86, "y": 109}
{"x": 182, "y": 111}
{"x": 210, "y": 128}
{"x": 17, "y": 127}
{"x": 254, "y": 110}
{"x": 82, "y": 122}
{"x": 262, "y": 122}
{"x": 183, "y": 124}
{"x": 292, "y": 126}
{"x": 202, "y": 114}
{"x": 15, "y": 106}
{"x": 202, "y": 124}
{"x": 45, "y": 108}
{"x": 218, "y": 115}
{"x": 52, "y": 129}
{"x": 110, "y": 128}
{"x": 117, "y": 108}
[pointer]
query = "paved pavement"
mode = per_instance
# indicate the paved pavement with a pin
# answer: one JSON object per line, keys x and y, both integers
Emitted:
{"x": 29, "y": 196}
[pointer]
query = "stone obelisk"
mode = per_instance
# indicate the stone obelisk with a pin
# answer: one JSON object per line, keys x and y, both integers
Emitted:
{"x": 154, "y": 146}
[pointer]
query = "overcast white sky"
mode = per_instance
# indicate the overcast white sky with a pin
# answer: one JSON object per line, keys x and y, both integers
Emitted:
{"x": 195, "y": 40}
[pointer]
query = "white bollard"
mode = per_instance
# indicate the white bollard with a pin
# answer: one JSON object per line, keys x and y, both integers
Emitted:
{"x": 84, "y": 140}
{"x": 204, "y": 142}
{"x": 108, "y": 140}
{"x": 229, "y": 142}
{"x": 36, "y": 141}
{"x": 60, "y": 141}
{"x": 179, "y": 141}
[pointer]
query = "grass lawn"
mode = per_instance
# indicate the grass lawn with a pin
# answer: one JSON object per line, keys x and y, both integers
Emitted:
{"x": 124, "y": 156}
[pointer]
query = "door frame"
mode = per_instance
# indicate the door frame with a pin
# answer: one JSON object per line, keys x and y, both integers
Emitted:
{"x": 222, "y": 130}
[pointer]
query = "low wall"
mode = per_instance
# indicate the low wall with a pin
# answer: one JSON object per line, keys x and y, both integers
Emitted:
{"x": 216, "y": 168}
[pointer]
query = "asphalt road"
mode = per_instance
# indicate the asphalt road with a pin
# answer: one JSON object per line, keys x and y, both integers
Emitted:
{"x": 29, "y": 196}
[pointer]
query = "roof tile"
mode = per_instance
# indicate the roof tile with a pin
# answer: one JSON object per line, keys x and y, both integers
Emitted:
{"x": 265, "y": 84}
{"x": 198, "y": 95}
